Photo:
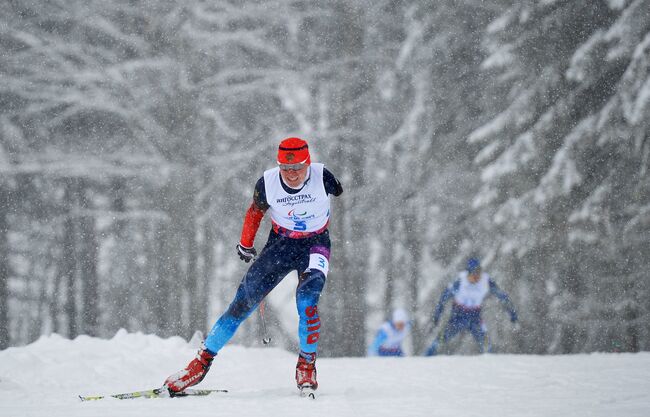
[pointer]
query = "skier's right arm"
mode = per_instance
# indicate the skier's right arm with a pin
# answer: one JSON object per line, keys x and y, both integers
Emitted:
{"x": 373, "y": 350}
{"x": 252, "y": 221}
{"x": 447, "y": 294}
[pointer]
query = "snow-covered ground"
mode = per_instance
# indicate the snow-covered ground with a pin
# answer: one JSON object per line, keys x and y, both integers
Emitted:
{"x": 44, "y": 379}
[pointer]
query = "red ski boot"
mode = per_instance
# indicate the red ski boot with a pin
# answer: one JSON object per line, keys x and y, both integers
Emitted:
{"x": 193, "y": 373}
{"x": 306, "y": 373}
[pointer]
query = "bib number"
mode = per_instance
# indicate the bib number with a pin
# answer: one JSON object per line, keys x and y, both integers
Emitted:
{"x": 319, "y": 262}
{"x": 300, "y": 225}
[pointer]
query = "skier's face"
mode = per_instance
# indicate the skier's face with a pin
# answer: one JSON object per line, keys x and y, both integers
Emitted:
{"x": 399, "y": 325}
{"x": 474, "y": 276}
{"x": 294, "y": 176}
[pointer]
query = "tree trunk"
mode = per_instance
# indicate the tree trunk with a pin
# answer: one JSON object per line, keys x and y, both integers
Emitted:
{"x": 68, "y": 259}
{"x": 4, "y": 269}
{"x": 413, "y": 230}
{"x": 390, "y": 257}
{"x": 209, "y": 263}
{"x": 162, "y": 306}
{"x": 355, "y": 261}
{"x": 171, "y": 284}
{"x": 117, "y": 288}
{"x": 195, "y": 279}
{"x": 88, "y": 253}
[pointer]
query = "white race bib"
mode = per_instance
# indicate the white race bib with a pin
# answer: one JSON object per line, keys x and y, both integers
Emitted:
{"x": 306, "y": 211}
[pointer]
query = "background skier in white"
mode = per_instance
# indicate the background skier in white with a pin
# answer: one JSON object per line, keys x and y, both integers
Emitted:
{"x": 390, "y": 336}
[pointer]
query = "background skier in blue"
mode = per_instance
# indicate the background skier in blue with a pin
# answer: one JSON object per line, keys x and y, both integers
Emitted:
{"x": 468, "y": 291}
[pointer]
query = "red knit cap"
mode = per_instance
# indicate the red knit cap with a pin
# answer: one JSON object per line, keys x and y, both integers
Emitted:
{"x": 293, "y": 151}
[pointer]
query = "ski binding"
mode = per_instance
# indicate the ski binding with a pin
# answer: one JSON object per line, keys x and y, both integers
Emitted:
{"x": 307, "y": 392}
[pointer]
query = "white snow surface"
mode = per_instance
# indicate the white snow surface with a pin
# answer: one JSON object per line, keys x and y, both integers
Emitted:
{"x": 45, "y": 377}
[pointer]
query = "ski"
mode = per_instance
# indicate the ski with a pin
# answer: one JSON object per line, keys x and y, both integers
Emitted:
{"x": 153, "y": 393}
{"x": 307, "y": 392}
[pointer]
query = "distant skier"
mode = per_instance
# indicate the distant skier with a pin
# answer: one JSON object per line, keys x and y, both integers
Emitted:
{"x": 391, "y": 334}
{"x": 468, "y": 291}
{"x": 297, "y": 195}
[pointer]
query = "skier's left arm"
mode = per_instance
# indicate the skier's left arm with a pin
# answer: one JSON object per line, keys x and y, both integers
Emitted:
{"x": 503, "y": 297}
{"x": 332, "y": 185}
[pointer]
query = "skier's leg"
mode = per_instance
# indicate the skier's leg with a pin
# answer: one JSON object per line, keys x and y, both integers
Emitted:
{"x": 261, "y": 278}
{"x": 310, "y": 285}
{"x": 265, "y": 273}
{"x": 433, "y": 349}
{"x": 451, "y": 329}
{"x": 479, "y": 332}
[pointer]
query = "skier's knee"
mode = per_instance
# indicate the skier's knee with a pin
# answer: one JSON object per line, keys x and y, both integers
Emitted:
{"x": 311, "y": 281}
{"x": 239, "y": 309}
{"x": 246, "y": 299}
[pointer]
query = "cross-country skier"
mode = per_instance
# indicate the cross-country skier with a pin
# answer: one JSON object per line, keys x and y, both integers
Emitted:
{"x": 296, "y": 193}
{"x": 391, "y": 334}
{"x": 468, "y": 291}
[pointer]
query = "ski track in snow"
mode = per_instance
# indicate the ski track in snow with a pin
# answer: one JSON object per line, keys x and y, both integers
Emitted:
{"x": 44, "y": 379}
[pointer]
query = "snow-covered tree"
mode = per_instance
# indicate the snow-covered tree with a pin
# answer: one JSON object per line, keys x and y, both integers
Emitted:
{"x": 559, "y": 172}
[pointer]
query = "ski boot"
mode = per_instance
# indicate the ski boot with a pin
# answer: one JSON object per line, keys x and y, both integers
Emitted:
{"x": 306, "y": 374}
{"x": 193, "y": 373}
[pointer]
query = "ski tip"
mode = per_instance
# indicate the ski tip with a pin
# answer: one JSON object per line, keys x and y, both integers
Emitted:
{"x": 90, "y": 398}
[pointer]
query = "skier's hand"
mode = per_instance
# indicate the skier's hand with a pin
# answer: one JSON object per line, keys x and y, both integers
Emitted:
{"x": 513, "y": 317}
{"x": 246, "y": 254}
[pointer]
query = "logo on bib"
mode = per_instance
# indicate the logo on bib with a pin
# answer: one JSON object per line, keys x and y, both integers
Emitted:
{"x": 299, "y": 220}
{"x": 292, "y": 200}
{"x": 293, "y": 214}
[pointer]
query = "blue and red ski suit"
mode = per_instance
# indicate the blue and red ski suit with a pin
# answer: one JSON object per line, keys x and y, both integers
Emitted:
{"x": 285, "y": 251}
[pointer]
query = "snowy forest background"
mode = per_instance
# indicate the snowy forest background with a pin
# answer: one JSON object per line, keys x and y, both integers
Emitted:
{"x": 132, "y": 134}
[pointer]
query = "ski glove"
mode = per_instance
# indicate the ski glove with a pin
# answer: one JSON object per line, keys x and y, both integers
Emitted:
{"x": 436, "y": 320}
{"x": 246, "y": 254}
{"x": 513, "y": 317}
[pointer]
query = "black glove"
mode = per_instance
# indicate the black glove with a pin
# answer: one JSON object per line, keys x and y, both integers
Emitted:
{"x": 513, "y": 317}
{"x": 246, "y": 254}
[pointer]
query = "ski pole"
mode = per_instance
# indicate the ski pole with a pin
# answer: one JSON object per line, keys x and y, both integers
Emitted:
{"x": 266, "y": 339}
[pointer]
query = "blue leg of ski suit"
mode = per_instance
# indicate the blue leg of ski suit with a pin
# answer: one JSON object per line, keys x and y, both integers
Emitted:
{"x": 280, "y": 256}
{"x": 462, "y": 320}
